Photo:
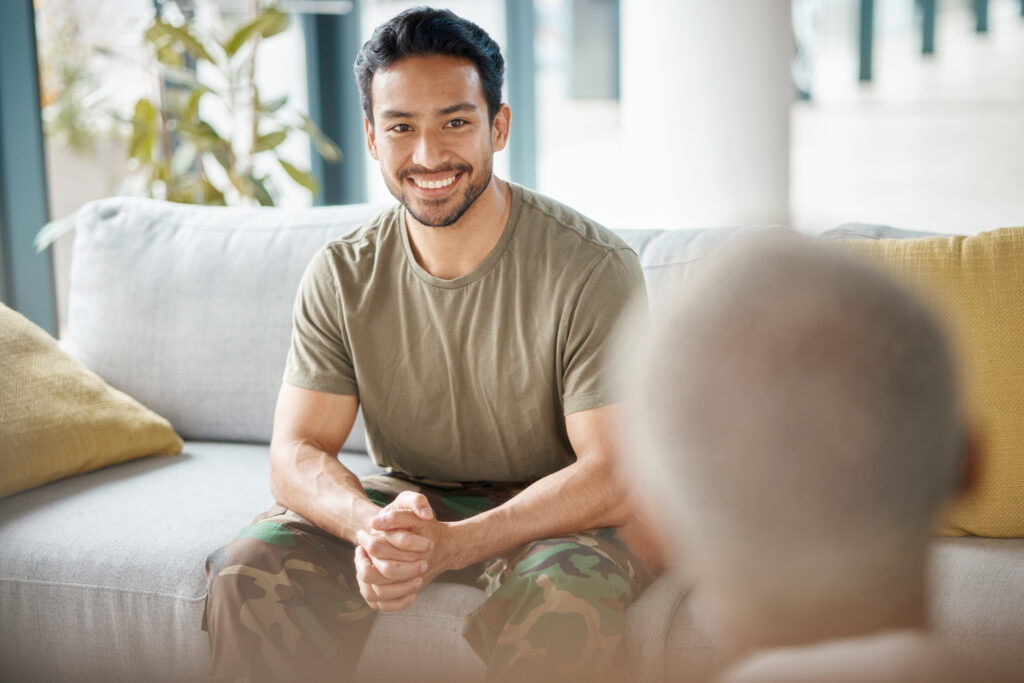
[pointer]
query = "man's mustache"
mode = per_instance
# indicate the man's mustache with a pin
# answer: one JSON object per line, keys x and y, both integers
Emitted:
{"x": 447, "y": 168}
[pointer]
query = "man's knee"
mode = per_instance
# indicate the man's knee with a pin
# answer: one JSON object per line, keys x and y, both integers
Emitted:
{"x": 563, "y": 582}
{"x": 560, "y": 611}
{"x": 243, "y": 573}
{"x": 578, "y": 566}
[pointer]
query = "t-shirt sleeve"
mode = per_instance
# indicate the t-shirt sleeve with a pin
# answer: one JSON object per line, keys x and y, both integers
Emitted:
{"x": 614, "y": 283}
{"x": 319, "y": 357}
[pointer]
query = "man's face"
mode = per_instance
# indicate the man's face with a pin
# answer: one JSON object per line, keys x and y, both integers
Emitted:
{"x": 432, "y": 135}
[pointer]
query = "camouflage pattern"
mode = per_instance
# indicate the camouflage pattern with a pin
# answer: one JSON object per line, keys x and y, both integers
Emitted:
{"x": 283, "y": 603}
{"x": 555, "y": 610}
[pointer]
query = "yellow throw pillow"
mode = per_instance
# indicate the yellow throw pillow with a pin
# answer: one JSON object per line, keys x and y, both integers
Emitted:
{"x": 58, "y": 419}
{"x": 977, "y": 285}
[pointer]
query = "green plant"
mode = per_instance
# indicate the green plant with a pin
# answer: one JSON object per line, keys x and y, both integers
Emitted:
{"x": 73, "y": 103}
{"x": 183, "y": 157}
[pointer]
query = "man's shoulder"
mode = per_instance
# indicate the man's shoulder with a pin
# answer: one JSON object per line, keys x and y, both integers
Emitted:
{"x": 564, "y": 223}
{"x": 372, "y": 231}
{"x": 894, "y": 655}
{"x": 360, "y": 247}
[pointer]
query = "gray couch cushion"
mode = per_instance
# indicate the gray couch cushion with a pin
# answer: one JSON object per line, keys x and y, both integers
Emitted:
{"x": 667, "y": 256}
{"x": 978, "y": 602}
{"x": 188, "y": 309}
{"x": 116, "y": 556}
{"x": 872, "y": 231}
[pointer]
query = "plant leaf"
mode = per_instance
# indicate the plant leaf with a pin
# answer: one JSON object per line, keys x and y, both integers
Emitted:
{"x": 241, "y": 184}
{"x": 191, "y": 110}
{"x": 224, "y": 156}
{"x": 211, "y": 195}
{"x": 168, "y": 56}
{"x": 144, "y": 134}
{"x": 273, "y": 105}
{"x": 304, "y": 178}
{"x": 54, "y": 230}
{"x": 183, "y": 35}
{"x": 269, "y": 141}
{"x": 202, "y": 134}
{"x": 323, "y": 144}
{"x": 156, "y": 35}
{"x": 259, "y": 190}
{"x": 271, "y": 22}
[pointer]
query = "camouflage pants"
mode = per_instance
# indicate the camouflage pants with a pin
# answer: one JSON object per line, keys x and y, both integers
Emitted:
{"x": 283, "y": 603}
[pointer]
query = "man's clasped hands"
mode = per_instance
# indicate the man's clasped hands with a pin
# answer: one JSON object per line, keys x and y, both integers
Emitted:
{"x": 404, "y": 549}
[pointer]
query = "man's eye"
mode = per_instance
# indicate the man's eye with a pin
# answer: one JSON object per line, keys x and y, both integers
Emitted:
{"x": 400, "y": 128}
{"x": 457, "y": 123}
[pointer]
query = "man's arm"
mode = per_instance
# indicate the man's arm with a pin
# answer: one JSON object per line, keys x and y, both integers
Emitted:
{"x": 310, "y": 427}
{"x": 585, "y": 495}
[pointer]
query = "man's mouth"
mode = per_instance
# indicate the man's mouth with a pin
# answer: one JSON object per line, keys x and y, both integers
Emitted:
{"x": 433, "y": 184}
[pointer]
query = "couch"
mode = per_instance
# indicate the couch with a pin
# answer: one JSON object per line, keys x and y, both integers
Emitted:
{"x": 187, "y": 309}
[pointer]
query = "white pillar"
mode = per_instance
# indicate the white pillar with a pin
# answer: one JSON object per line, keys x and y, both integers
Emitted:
{"x": 706, "y": 97}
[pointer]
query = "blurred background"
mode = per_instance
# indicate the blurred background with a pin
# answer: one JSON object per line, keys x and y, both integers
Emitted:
{"x": 639, "y": 113}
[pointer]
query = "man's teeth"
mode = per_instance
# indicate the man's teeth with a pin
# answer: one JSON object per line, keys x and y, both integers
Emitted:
{"x": 434, "y": 184}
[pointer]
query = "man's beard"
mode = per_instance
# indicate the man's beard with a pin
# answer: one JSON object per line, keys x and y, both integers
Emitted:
{"x": 473, "y": 191}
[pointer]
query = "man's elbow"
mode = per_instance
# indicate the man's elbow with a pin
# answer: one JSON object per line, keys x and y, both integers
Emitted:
{"x": 619, "y": 505}
{"x": 621, "y": 510}
{"x": 281, "y": 462}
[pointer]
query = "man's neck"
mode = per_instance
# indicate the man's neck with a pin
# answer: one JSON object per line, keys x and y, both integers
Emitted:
{"x": 457, "y": 249}
{"x": 800, "y": 612}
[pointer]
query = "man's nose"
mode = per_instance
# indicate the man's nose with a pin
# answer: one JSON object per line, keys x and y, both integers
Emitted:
{"x": 429, "y": 152}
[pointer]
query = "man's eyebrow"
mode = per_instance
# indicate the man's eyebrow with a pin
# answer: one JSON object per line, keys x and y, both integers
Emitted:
{"x": 451, "y": 109}
{"x": 461, "y": 106}
{"x": 395, "y": 114}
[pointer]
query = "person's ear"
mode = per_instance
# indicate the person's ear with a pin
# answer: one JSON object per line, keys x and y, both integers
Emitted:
{"x": 500, "y": 127}
{"x": 970, "y": 461}
{"x": 371, "y": 138}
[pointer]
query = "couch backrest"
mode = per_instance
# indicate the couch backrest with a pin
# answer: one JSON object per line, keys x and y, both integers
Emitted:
{"x": 188, "y": 309}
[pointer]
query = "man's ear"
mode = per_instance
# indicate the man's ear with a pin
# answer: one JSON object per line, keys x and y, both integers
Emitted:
{"x": 972, "y": 448}
{"x": 371, "y": 138}
{"x": 500, "y": 127}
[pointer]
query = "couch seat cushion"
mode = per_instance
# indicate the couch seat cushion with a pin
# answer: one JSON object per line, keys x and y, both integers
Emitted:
{"x": 101, "y": 575}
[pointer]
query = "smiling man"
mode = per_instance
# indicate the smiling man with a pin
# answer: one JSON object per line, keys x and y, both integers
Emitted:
{"x": 471, "y": 322}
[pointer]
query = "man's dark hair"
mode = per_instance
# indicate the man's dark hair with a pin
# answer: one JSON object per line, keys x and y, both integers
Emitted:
{"x": 425, "y": 31}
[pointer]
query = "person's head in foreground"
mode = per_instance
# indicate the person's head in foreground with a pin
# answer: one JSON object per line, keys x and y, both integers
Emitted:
{"x": 801, "y": 433}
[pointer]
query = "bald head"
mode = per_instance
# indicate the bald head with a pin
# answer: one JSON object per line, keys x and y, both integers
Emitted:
{"x": 794, "y": 396}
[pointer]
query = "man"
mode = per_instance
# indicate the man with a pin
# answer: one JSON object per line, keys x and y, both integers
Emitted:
{"x": 803, "y": 432}
{"x": 470, "y": 323}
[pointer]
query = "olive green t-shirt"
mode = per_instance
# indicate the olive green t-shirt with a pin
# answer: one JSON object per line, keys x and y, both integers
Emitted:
{"x": 467, "y": 379}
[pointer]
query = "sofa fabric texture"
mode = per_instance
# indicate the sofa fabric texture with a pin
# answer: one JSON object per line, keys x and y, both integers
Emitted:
{"x": 976, "y": 285}
{"x": 189, "y": 309}
{"x": 57, "y": 418}
{"x": 101, "y": 575}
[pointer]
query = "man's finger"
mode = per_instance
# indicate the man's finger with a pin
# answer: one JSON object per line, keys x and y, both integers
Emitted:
{"x": 416, "y": 502}
{"x": 403, "y": 548}
{"x": 396, "y": 605}
{"x": 396, "y": 591}
{"x": 374, "y": 571}
{"x": 407, "y": 541}
{"x": 363, "y": 566}
{"x": 399, "y": 571}
{"x": 388, "y": 520}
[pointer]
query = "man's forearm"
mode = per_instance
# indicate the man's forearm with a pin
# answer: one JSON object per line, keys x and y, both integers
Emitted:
{"x": 585, "y": 495}
{"x": 317, "y": 486}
